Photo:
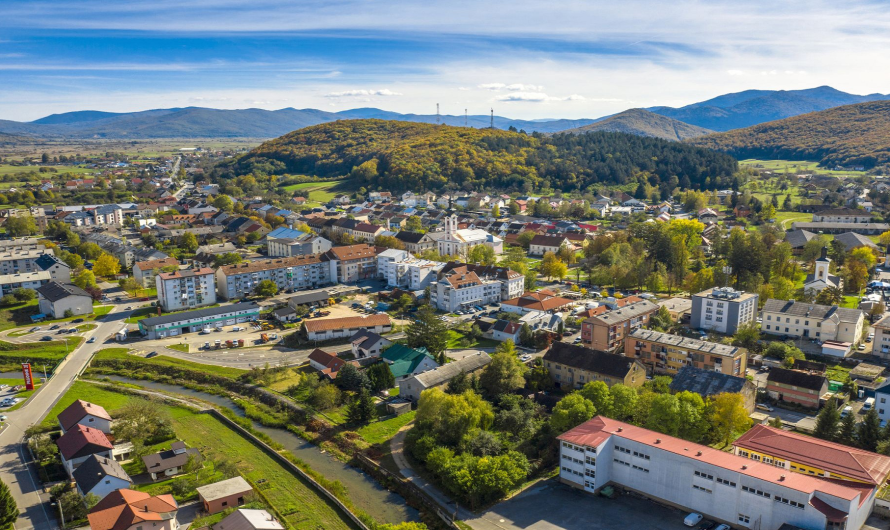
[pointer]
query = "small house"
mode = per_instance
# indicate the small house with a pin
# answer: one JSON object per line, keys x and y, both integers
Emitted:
{"x": 224, "y": 494}
{"x": 171, "y": 462}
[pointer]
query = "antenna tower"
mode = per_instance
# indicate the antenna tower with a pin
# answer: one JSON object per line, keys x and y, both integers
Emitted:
{"x": 438, "y": 118}
{"x": 467, "y": 124}
{"x": 492, "y": 118}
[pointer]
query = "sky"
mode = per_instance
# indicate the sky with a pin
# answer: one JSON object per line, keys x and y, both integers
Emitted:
{"x": 525, "y": 59}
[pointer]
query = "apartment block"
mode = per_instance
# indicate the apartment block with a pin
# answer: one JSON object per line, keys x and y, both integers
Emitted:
{"x": 663, "y": 353}
{"x": 15, "y": 260}
{"x": 186, "y": 289}
{"x": 607, "y": 331}
{"x": 295, "y": 273}
{"x": 723, "y": 309}
{"x": 800, "y": 319}
{"x": 352, "y": 263}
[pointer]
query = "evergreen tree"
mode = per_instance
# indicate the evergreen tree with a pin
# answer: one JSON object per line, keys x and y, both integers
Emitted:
{"x": 362, "y": 409}
{"x": 428, "y": 331}
{"x": 9, "y": 512}
{"x": 526, "y": 337}
{"x": 380, "y": 376}
{"x": 350, "y": 378}
{"x": 847, "y": 433}
{"x": 827, "y": 421}
{"x": 868, "y": 433}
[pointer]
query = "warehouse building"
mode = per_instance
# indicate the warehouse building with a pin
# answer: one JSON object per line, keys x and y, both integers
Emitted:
{"x": 193, "y": 321}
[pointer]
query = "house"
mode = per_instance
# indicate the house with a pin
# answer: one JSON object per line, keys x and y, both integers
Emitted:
{"x": 881, "y": 343}
{"x": 224, "y": 494}
{"x": 812, "y": 456}
{"x": 678, "y": 308}
{"x": 505, "y": 330}
{"x": 541, "y": 244}
{"x": 100, "y": 476}
{"x": 543, "y": 301}
{"x": 412, "y": 386}
{"x": 171, "y": 462}
{"x": 333, "y": 328}
{"x": 690, "y": 477}
{"x": 822, "y": 277}
{"x": 79, "y": 443}
{"x": 851, "y": 240}
{"x": 707, "y": 215}
{"x": 367, "y": 344}
{"x": 126, "y": 509}
{"x": 404, "y": 362}
{"x": 664, "y": 353}
{"x": 814, "y": 321}
{"x": 795, "y": 386}
{"x": 352, "y": 263}
{"x": 539, "y": 321}
{"x": 839, "y": 228}
{"x": 573, "y": 367}
{"x": 144, "y": 271}
{"x": 606, "y": 331}
{"x": 58, "y": 270}
{"x": 242, "y": 519}
{"x": 328, "y": 364}
{"x": 723, "y": 309}
{"x": 284, "y": 314}
{"x": 710, "y": 383}
{"x": 798, "y": 239}
{"x": 28, "y": 280}
{"x": 87, "y": 414}
{"x": 742, "y": 211}
{"x": 842, "y": 215}
{"x": 287, "y": 242}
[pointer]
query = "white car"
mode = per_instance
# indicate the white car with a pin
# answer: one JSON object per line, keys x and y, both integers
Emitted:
{"x": 764, "y": 406}
{"x": 237, "y": 328}
{"x": 692, "y": 519}
{"x": 3, "y": 418}
{"x": 847, "y": 411}
{"x": 723, "y": 527}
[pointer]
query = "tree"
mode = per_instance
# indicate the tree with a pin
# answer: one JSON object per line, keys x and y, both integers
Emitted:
{"x": 130, "y": 285}
{"x": 23, "y": 294}
{"x": 728, "y": 416}
{"x": 661, "y": 320}
{"x": 20, "y": 226}
{"x": 746, "y": 336}
{"x": 72, "y": 260}
{"x": 513, "y": 208}
{"x": 504, "y": 374}
{"x": 224, "y": 203}
{"x": 229, "y": 258}
{"x": 538, "y": 378}
{"x": 571, "y": 411}
{"x": 664, "y": 414}
{"x": 9, "y": 511}
{"x": 566, "y": 254}
{"x": 552, "y": 267}
{"x": 624, "y": 401}
{"x": 389, "y": 242}
{"x": 449, "y": 417}
{"x": 143, "y": 421}
{"x": 350, "y": 378}
{"x": 362, "y": 409}
{"x": 90, "y": 250}
{"x": 524, "y": 239}
{"x": 266, "y": 288}
{"x": 84, "y": 279}
{"x": 414, "y": 224}
{"x": 8, "y": 300}
{"x": 482, "y": 254}
{"x": 428, "y": 331}
{"x": 496, "y": 211}
{"x": 868, "y": 433}
{"x": 597, "y": 392}
{"x": 694, "y": 421}
{"x": 380, "y": 377}
{"x": 827, "y": 421}
{"x": 847, "y": 432}
{"x": 106, "y": 265}
{"x": 189, "y": 242}
{"x": 325, "y": 397}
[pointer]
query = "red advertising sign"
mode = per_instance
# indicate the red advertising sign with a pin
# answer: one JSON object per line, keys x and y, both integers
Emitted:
{"x": 29, "y": 379}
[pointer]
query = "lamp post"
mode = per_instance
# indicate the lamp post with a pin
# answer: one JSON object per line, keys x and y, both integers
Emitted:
{"x": 61, "y": 513}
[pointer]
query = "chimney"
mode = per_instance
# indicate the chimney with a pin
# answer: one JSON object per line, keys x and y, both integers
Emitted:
{"x": 146, "y": 508}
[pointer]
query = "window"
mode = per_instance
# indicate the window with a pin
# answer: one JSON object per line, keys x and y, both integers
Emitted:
{"x": 591, "y": 461}
{"x": 789, "y": 502}
{"x": 641, "y": 455}
{"x": 706, "y": 490}
{"x": 755, "y": 491}
{"x": 744, "y": 518}
{"x": 704, "y": 475}
{"x": 725, "y": 482}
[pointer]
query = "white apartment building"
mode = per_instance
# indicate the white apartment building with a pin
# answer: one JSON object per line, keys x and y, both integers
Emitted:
{"x": 27, "y": 280}
{"x": 723, "y": 309}
{"x": 14, "y": 260}
{"x": 881, "y": 342}
{"x": 287, "y": 242}
{"x": 186, "y": 289}
{"x": 460, "y": 288}
{"x": 385, "y": 258}
{"x": 722, "y": 486}
{"x": 412, "y": 274}
{"x": 109, "y": 214}
{"x": 814, "y": 321}
{"x": 289, "y": 274}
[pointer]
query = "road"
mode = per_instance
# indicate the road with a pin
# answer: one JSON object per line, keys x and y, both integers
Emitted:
{"x": 14, "y": 471}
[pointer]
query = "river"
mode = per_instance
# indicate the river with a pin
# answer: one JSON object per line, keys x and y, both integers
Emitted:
{"x": 364, "y": 491}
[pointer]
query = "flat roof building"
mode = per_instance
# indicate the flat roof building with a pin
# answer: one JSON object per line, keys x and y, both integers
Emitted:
{"x": 723, "y": 309}
{"x": 192, "y": 321}
{"x": 664, "y": 353}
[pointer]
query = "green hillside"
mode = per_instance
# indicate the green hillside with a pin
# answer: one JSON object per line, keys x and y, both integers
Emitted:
{"x": 644, "y": 123}
{"x": 400, "y": 156}
{"x": 852, "y": 135}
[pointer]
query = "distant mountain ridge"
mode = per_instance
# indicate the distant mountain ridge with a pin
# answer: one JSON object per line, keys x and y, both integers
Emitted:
{"x": 752, "y": 107}
{"x": 851, "y": 135}
{"x": 644, "y": 123}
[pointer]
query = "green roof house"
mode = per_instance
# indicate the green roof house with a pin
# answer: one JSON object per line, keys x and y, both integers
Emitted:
{"x": 404, "y": 362}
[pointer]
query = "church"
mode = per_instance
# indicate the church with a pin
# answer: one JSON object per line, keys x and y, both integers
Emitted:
{"x": 458, "y": 242}
{"x": 821, "y": 277}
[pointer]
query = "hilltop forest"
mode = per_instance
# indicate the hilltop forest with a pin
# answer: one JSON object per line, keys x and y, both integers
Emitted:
{"x": 401, "y": 156}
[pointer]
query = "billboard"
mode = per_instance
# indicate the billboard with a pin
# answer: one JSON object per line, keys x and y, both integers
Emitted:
{"x": 29, "y": 379}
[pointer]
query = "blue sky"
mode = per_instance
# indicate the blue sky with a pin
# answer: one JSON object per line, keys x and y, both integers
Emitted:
{"x": 526, "y": 59}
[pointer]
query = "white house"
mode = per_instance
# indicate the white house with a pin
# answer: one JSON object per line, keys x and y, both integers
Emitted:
{"x": 367, "y": 344}
{"x": 87, "y": 414}
{"x": 79, "y": 443}
{"x": 100, "y": 476}
{"x": 57, "y": 299}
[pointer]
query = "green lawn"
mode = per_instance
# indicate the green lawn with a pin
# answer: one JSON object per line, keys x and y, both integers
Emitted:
{"x": 384, "y": 429}
{"x": 161, "y": 360}
{"x": 795, "y": 167}
{"x": 454, "y": 338}
{"x": 850, "y": 301}
{"x": 20, "y": 315}
{"x": 179, "y": 347}
{"x": 301, "y": 506}
{"x": 837, "y": 373}
{"x": 315, "y": 192}
{"x": 785, "y": 220}
{"x": 37, "y": 353}
{"x": 6, "y": 169}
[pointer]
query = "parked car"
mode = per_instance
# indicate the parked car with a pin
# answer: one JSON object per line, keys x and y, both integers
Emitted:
{"x": 32, "y": 330}
{"x": 2, "y": 418}
{"x": 723, "y": 527}
{"x": 46, "y": 337}
{"x": 129, "y": 307}
{"x": 847, "y": 411}
{"x": 54, "y": 327}
{"x": 764, "y": 406}
{"x": 92, "y": 340}
{"x": 77, "y": 321}
{"x": 861, "y": 347}
{"x": 152, "y": 354}
{"x": 692, "y": 519}
{"x": 237, "y": 328}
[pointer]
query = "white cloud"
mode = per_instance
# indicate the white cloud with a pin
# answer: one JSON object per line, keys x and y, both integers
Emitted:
{"x": 735, "y": 72}
{"x": 519, "y": 87}
{"x": 363, "y": 93}
{"x": 536, "y": 97}
{"x": 492, "y": 86}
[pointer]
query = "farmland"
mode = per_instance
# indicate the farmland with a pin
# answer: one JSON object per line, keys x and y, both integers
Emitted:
{"x": 316, "y": 193}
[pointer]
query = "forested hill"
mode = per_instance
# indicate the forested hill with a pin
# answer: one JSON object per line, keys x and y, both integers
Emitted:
{"x": 400, "y": 156}
{"x": 851, "y": 135}
{"x": 644, "y": 123}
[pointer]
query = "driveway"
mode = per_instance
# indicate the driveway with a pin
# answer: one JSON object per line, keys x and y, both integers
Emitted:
{"x": 550, "y": 505}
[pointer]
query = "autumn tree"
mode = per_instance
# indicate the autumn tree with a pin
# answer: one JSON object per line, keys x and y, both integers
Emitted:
{"x": 266, "y": 288}
{"x": 84, "y": 279}
{"x": 552, "y": 267}
{"x": 728, "y": 416}
{"x": 504, "y": 374}
{"x": 106, "y": 265}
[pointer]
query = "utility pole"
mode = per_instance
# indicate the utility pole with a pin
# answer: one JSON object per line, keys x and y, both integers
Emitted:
{"x": 438, "y": 118}
{"x": 467, "y": 121}
{"x": 492, "y": 118}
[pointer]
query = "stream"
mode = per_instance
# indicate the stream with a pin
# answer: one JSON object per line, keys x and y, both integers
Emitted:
{"x": 364, "y": 491}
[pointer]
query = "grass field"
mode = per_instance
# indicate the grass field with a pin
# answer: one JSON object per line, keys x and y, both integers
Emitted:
{"x": 161, "y": 360}
{"x": 6, "y": 169}
{"x": 454, "y": 338}
{"x": 381, "y": 431}
{"x": 315, "y": 192}
{"x": 795, "y": 167}
{"x": 38, "y": 353}
{"x": 786, "y": 219}
{"x": 299, "y": 505}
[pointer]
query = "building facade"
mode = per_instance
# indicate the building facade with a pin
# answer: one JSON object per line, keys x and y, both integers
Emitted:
{"x": 295, "y": 273}
{"x": 194, "y": 321}
{"x": 663, "y": 353}
{"x": 144, "y": 271}
{"x": 573, "y": 367}
{"x": 813, "y": 321}
{"x": 607, "y": 331}
{"x": 352, "y": 263}
{"x": 186, "y": 289}
{"x": 723, "y": 309}
{"x": 795, "y": 386}
{"x": 288, "y": 242}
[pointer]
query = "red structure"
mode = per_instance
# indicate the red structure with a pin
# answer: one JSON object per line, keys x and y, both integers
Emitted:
{"x": 29, "y": 379}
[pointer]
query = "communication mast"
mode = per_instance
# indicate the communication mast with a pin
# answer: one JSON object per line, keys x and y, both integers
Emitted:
{"x": 466, "y": 119}
{"x": 492, "y": 118}
{"x": 438, "y": 118}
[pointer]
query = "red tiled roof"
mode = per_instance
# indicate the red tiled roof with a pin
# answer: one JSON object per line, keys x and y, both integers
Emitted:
{"x": 123, "y": 508}
{"x": 836, "y": 458}
{"x": 326, "y": 324}
{"x": 832, "y": 514}
{"x": 541, "y": 301}
{"x": 77, "y": 411}
{"x": 82, "y": 441}
{"x": 330, "y": 361}
{"x": 593, "y": 432}
{"x": 352, "y": 252}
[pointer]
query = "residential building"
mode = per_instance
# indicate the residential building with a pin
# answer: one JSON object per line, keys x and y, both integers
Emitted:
{"x": 881, "y": 342}
{"x": 416, "y": 242}
{"x": 242, "y": 519}
{"x": 84, "y": 413}
{"x": 26, "y": 280}
{"x": 100, "y": 476}
{"x": 79, "y": 443}
{"x": 186, "y": 289}
{"x": 460, "y": 288}
{"x": 800, "y": 319}
{"x": 108, "y": 214}
{"x": 794, "y": 386}
{"x": 333, "y": 328}
{"x": 812, "y": 456}
{"x": 664, "y": 353}
{"x": 606, "y": 332}
{"x": 413, "y": 385}
{"x": 15, "y": 260}
{"x": 366, "y": 232}
{"x": 541, "y": 244}
{"x": 224, "y": 494}
{"x": 851, "y": 240}
{"x": 404, "y": 362}
{"x": 171, "y": 462}
{"x": 311, "y": 299}
{"x": 696, "y": 478}
{"x": 351, "y": 263}
{"x": 839, "y": 228}
{"x": 194, "y": 321}
{"x": 327, "y": 364}
{"x": 406, "y": 272}
{"x": 723, "y": 309}
{"x": 573, "y": 367}
{"x": 126, "y": 509}
{"x": 798, "y": 240}
{"x": 679, "y": 308}
{"x": 294, "y": 273}
{"x": 842, "y": 215}
{"x": 144, "y": 272}
{"x": 504, "y": 330}
{"x": 821, "y": 277}
{"x": 710, "y": 383}
{"x": 288, "y": 242}
{"x": 58, "y": 270}
{"x": 367, "y": 344}
{"x": 543, "y": 301}
{"x": 58, "y": 299}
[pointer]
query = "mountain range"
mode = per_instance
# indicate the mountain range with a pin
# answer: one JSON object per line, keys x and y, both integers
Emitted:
{"x": 726, "y": 112}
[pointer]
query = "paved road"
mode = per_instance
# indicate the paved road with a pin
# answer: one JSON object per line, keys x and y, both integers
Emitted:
{"x": 14, "y": 471}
